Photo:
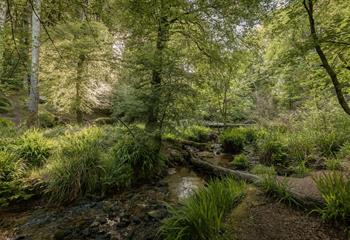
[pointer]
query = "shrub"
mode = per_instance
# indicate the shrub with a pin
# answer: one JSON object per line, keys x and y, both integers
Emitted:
{"x": 278, "y": 189}
{"x": 201, "y": 215}
{"x": 33, "y": 147}
{"x": 333, "y": 164}
{"x": 234, "y": 139}
{"x": 240, "y": 162}
{"x": 272, "y": 151}
{"x": 264, "y": 170}
{"x": 141, "y": 154}
{"x": 197, "y": 133}
{"x": 75, "y": 170}
{"x": 335, "y": 190}
{"x": 299, "y": 145}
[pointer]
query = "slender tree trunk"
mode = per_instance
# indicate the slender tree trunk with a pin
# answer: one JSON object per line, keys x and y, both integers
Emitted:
{"x": 78, "y": 83}
{"x": 152, "y": 123}
{"x": 3, "y": 11}
{"x": 308, "y": 4}
{"x": 34, "y": 77}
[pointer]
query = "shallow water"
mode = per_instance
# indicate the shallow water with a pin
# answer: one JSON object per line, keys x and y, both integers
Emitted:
{"x": 182, "y": 183}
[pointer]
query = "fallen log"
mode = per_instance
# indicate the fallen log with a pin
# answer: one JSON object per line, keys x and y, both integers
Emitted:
{"x": 303, "y": 199}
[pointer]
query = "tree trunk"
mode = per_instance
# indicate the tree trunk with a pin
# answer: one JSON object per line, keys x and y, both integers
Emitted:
{"x": 34, "y": 92}
{"x": 308, "y": 4}
{"x": 152, "y": 122}
{"x": 78, "y": 98}
{"x": 3, "y": 10}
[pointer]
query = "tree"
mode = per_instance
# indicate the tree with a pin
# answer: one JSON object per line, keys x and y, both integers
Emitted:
{"x": 34, "y": 75}
{"x": 309, "y": 7}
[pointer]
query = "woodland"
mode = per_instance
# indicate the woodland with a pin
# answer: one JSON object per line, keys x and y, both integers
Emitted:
{"x": 175, "y": 119}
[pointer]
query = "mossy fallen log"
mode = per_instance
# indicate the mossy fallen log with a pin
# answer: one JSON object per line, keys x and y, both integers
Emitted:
{"x": 211, "y": 169}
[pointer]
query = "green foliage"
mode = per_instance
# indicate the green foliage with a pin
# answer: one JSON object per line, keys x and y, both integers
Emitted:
{"x": 272, "y": 151}
{"x": 240, "y": 162}
{"x": 201, "y": 215}
{"x": 116, "y": 174}
{"x": 33, "y": 147}
{"x": 301, "y": 170}
{"x": 278, "y": 189}
{"x": 12, "y": 187}
{"x": 333, "y": 164}
{"x": 84, "y": 166}
{"x": 5, "y": 123}
{"x": 344, "y": 152}
{"x": 335, "y": 190}
{"x": 234, "y": 139}
{"x": 75, "y": 170}
{"x": 141, "y": 153}
{"x": 197, "y": 133}
{"x": 47, "y": 119}
{"x": 264, "y": 170}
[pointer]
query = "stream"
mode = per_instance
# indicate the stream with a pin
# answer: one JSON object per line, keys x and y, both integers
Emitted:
{"x": 133, "y": 214}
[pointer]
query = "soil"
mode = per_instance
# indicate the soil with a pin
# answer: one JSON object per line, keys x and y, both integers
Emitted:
{"x": 259, "y": 217}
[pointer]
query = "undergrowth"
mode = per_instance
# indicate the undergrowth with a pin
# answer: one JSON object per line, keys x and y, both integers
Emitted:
{"x": 201, "y": 216}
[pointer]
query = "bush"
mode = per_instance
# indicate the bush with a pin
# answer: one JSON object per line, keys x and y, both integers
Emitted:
{"x": 234, "y": 139}
{"x": 201, "y": 215}
{"x": 335, "y": 190}
{"x": 197, "y": 133}
{"x": 33, "y": 147}
{"x": 240, "y": 162}
{"x": 76, "y": 169}
{"x": 141, "y": 154}
{"x": 272, "y": 151}
{"x": 264, "y": 170}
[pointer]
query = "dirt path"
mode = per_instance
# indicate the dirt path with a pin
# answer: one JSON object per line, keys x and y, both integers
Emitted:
{"x": 260, "y": 218}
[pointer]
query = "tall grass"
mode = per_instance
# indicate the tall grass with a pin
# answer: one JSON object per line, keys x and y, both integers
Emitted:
{"x": 335, "y": 190}
{"x": 201, "y": 216}
{"x": 75, "y": 170}
{"x": 33, "y": 147}
{"x": 141, "y": 153}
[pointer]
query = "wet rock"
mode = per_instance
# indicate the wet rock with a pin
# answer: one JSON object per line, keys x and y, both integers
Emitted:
{"x": 60, "y": 234}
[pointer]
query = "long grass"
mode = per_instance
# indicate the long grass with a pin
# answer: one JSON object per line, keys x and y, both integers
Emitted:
{"x": 201, "y": 216}
{"x": 335, "y": 190}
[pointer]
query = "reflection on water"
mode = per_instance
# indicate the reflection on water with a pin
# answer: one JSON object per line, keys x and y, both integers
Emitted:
{"x": 182, "y": 183}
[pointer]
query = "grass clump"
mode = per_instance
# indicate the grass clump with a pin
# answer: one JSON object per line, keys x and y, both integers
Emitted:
{"x": 260, "y": 169}
{"x": 300, "y": 170}
{"x": 12, "y": 187}
{"x": 33, "y": 147}
{"x": 75, "y": 170}
{"x": 278, "y": 189}
{"x": 272, "y": 151}
{"x": 235, "y": 139}
{"x": 141, "y": 154}
{"x": 201, "y": 216}
{"x": 335, "y": 190}
{"x": 333, "y": 164}
{"x": 197, "y": 133}
{"x": 240, "y": 162}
